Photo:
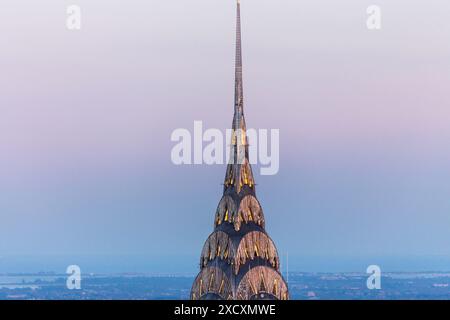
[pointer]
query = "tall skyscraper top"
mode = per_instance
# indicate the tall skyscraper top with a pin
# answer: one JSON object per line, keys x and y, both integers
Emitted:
{"x": 239, "y": 261}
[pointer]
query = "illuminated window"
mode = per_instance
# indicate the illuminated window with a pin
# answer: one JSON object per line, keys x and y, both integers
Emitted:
{"x": 253, "y": 287}
{"x": 221, "y": 286}
{"x": 211, "y": 281}
{"x": 263, "y": 282}
{"x": 275, "y": 287}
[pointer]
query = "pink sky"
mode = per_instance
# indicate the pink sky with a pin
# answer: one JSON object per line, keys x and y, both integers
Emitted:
{"x": 363, "y": 115}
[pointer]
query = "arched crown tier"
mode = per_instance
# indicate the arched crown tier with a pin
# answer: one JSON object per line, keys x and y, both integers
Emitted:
{"x": 249, "y": 210}
{"x": 211, "y": 281}
{"x": 239, "y": 175}
{"x": 261, "y": 281}
{"x": 252, "y": 245}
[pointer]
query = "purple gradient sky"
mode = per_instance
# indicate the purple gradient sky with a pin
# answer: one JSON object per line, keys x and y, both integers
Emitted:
{"x": 86, "y": 118}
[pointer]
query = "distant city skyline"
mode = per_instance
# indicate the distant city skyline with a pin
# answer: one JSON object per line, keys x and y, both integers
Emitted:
{"x": 305, "y": 286}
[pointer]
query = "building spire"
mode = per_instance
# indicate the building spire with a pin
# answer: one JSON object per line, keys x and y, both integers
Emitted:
{"x": 239, "y": 92}
{"x": 239, "y": 172}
